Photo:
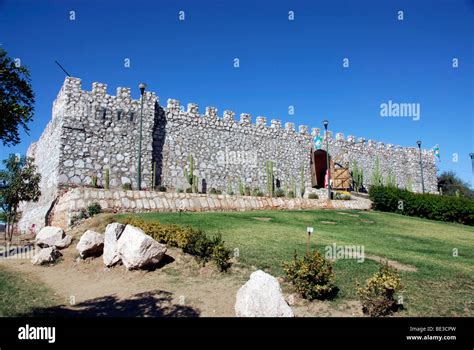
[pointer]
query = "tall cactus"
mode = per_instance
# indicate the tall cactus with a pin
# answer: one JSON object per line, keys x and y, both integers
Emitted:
{"x": 376, "y": 178}
{"x": 241, "y": 187}
{"x": 229, "y": 187}
{"x": 357, "y": 176}
{"x": 302, "y": 183}
{"x": 189, "y": 175}
{"x": 270, "y": 178}
{"x": 107, "y": 179}
{"x": 195, "y": 184}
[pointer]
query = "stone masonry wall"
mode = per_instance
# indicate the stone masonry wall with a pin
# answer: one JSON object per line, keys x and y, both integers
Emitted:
{"x": 225, "y": 150}
{"x": 46, "y": 152}
{"x": 101, "y": 132}
{"x": 92, "y": 131}
{"x": 403, "y": 162}
{"x": 71, "y": 203}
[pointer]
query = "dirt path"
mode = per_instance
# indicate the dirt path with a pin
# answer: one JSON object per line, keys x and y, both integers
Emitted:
{"x": 180, "y": 287}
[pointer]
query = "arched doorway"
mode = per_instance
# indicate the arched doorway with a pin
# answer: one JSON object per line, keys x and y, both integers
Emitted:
{"x": 318, "y": 168}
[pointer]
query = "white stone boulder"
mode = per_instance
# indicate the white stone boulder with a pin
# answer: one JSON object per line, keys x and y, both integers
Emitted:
{"x": 138, "y": 250}
{"x": 46, "y": 256}
{"x": 64, "y": 243}
{"x": 261, "y": 296}
{"x": 49, "y": 236}
{"x": 90, "y": 244}
{"x": 112, "y": 234}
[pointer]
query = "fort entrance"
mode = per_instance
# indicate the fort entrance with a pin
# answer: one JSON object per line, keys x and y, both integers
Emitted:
{"x": 340, "y": 174}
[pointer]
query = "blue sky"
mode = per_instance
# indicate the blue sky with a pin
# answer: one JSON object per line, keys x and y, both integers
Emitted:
{"x": 282, "y": 63}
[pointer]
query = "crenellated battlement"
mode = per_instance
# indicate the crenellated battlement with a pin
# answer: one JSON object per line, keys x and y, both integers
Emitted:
{"x": 72, "y": 88}
{"x": 104, "y": 129}
{"x": 125, "y": 108}
{"x": 97, "y": 109}
{"x": 175, "y": 110}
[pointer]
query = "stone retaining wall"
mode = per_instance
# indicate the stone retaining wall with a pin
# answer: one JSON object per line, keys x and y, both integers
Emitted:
{"x": 71, "y": 203}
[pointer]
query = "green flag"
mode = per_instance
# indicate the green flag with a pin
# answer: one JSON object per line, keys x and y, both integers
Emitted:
{"x": 318, "y": 142}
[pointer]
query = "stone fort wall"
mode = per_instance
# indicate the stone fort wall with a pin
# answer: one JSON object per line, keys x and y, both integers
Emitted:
{"x": 92, "y": 132}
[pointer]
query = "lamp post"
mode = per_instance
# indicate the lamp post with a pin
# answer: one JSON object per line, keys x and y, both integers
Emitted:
{"x": 325, "y": 123}
{"x": 142, "y": 87}
{"x": 421, "y": 166}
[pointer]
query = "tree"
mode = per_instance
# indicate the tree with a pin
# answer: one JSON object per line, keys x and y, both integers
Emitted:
{"x": 16, "y": 100}
{"x": 19, "y": 182}
{"x": 451, "y": 185}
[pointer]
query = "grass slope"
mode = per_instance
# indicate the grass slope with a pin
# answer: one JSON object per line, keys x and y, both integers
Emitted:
{"x": 442, "y": 286}
{"x": 19, "y": 295}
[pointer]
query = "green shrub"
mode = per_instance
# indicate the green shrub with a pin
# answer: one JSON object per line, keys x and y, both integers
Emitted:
{"x": 201, "y": 246}
{"x": 341, "y": 196}
{"x": 75, "y": 219}
{"x": 83, "y": 214}
{"x": 161, "y": 189}
{"x": 213, "y": 191}
{"x": 378, "y": 294}
{"x": 175, "y": 236}
{"x": 247, "y": 191}
{"x": 127, "y": 186}
{"x": 279, "y": 192}
{"x": 311, "y": 275}
{"x": 291, "y": 194}
{"x": 189, "y": 190}
{"x": 313, "y": 196}
{"x": 191, "y": 241}
{"x": 257, "y": 193}
{"x": 429, "y": 206}
{"x": 179, "y": 190}
{"x": 94, "y": 209}
{"x": 221, "y": 257}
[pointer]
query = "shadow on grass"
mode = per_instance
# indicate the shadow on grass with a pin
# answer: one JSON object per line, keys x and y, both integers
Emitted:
{"x": 156, "y": 303}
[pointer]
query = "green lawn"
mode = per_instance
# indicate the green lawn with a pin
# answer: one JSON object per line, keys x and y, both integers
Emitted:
{"x": 442, "y": 286}
{"x": 20, "y": 295}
